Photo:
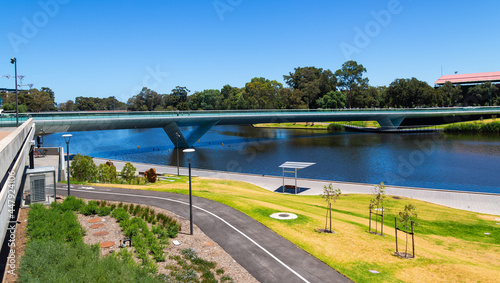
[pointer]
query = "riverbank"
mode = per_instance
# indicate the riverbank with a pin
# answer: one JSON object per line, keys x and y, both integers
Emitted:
{"x": 470, "y": 201}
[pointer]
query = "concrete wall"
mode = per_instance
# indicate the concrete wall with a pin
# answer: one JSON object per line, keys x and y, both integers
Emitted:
{"x": 17, "y": 141}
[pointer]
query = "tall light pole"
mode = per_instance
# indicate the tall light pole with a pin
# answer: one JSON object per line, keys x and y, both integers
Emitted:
{"x": 67, "y": 137}
{"x": 177, "y": 136}
{"x": 13, "y": 60}
{"x": 189, "y": 155}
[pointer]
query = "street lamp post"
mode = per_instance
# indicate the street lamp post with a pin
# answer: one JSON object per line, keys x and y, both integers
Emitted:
{"x": 189, "y": 155}
{"x": 13, "y": 60}
{"x": 67, "y": 137}
{"x": 177, "y": 136}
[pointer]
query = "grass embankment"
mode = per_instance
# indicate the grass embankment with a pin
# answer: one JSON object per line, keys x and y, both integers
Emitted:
{"x": 451, "y": 244}
{"x": 317, "y": 126}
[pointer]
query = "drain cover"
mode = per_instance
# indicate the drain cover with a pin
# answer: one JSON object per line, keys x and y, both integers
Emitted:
{"x": 283, "y": 216}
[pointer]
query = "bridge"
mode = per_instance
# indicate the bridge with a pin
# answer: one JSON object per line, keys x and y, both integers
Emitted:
{"x": 203, "y": 121}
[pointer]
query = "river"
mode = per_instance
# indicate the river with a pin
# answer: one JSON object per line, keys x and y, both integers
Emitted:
{"x": 430, "y": 160}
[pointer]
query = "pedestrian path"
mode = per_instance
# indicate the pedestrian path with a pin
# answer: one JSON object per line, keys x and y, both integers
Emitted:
{"x": 266, "y": 255}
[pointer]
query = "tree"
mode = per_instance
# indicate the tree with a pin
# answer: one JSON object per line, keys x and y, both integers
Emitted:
{"x": 181, "y": 93}
{"x": 106, "y": 173}
{"x": 452, "y": 95}
{"x": 408, "y": 93}
{"x": 313, "y": 83}
{"x": 377, "y": 203}
{"x": 83, "y": 169}
{"x": 406, "y": 217}
{"x": 330, "y": 194}
{"x": 479, "y": 95}
{"x": 262, "y": 93}
{"x": 332, "y": 100}
{"x": 67, "y": 106}
{"x": 128, "y": 172}
{"x": 351, "y": 76}
{"x": 40, "y": 100}
{"x": 146, "y": 100}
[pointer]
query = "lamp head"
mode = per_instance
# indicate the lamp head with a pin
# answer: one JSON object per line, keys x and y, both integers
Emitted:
{"x": 13, "y": 60}
{"x": 189, "y": 152}
{"x": 67, "y": 137}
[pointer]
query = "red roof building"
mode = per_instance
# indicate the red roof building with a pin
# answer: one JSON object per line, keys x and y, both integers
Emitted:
{"x": 475, "y": 78}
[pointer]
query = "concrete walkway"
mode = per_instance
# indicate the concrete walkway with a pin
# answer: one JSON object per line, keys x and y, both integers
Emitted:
{"x": 477, "y": 202}
{"x": 266, "y": 255}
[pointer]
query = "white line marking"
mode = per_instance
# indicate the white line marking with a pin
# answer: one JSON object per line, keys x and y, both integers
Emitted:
{"x": 213, "y": 214}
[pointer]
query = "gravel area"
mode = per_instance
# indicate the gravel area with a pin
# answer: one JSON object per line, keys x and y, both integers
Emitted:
{"x": 201, "y": 243}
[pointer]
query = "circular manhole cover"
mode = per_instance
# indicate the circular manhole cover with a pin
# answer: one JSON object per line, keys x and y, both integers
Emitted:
{"x": 283, "y": 216}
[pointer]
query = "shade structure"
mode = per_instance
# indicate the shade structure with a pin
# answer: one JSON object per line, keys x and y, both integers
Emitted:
{"x": 295, "y": 166}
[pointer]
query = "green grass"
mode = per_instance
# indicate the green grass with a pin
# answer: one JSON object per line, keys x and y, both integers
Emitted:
{"x": 450, "y": 243}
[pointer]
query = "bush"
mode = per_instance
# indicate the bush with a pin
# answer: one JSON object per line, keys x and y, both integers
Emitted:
{"x": 58, "y": 262}
{"x": 90, "y": 209}
{"x": 53, "y": 225}
{"x": 83, "y": 169}
{"x": 120, "y": 214}
{"x": 104, "y": 210}
{"x": 128, "y": 172}
{"x": 334, "y": 127}
{"x": 70, "y": 203}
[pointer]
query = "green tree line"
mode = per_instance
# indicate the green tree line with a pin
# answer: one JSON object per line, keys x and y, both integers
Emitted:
{"x": 306, "y": 88}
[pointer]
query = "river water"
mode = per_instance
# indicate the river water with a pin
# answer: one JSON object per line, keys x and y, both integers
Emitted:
{"x": 430, "y": 160}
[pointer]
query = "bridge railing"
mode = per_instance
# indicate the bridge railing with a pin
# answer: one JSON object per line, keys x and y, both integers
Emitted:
{"x": 7, "y": 118}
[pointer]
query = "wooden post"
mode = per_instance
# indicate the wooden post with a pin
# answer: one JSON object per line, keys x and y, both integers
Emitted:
{"x": 370, "y": 223}
{"x": 382, "y": 224}
{"x": 412, "y": 240}
{"x": 330, "y": 208}
{"x": 396, "y": 230}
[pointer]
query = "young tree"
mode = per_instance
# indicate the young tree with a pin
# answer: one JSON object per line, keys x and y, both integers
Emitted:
{"x": 106, "y": 173}
{"x": 406, "y": 217}
{"x": 330, "y": 194}
{"x": 128, "y": 172}
{"x": 377, "y": 203}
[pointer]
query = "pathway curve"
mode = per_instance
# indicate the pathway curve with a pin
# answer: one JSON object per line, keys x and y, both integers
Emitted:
{"x": 266, "y": 255}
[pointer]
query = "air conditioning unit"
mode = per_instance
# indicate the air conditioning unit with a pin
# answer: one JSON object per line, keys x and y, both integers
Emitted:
{"x": 37, "y": 185}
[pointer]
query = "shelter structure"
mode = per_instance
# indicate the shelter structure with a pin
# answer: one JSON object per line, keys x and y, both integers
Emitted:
{"x": 475, "y": 78}
{"x": 295, "y": 166}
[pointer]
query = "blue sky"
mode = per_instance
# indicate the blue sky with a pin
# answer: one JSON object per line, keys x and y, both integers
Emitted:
{"x": 114, "y": 48}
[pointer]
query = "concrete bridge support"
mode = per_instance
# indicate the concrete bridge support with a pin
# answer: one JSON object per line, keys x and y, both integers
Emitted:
{"x": 390, "y": 123}
{"x": 178, "y": 138}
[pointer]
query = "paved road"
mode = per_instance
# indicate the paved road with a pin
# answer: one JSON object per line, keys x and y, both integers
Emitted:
{"x": 266, "y": 255}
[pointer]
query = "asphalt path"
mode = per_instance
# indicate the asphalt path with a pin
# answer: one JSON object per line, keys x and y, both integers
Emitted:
{"x": 266, "y": 255}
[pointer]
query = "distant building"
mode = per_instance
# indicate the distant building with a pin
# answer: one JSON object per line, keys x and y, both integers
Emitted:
{"x": 470, "y": 79}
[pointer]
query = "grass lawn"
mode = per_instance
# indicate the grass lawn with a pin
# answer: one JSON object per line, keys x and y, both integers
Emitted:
{"x": 450, "y": 244}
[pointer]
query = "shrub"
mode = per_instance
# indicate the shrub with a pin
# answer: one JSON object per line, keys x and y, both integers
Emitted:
{"x": 104, "y": 210}
{"x": 334, "y": 127}
{"x": 120, "y": 214}
{"x": 70, "y": 203}
{"x": 53, "y": 225}
{"x": 90, "y": 209}
{"x": 83, "y": 169}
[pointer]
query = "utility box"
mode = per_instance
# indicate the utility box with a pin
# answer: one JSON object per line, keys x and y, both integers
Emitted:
{"x": 40, "y": 186}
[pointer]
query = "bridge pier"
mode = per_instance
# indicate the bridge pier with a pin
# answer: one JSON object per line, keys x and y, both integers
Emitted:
{"x": 172, "y": 130}
{"x": 392, "y": 123}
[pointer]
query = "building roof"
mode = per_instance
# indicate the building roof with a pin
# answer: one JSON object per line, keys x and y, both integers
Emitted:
{"x": 470, "y": 78}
